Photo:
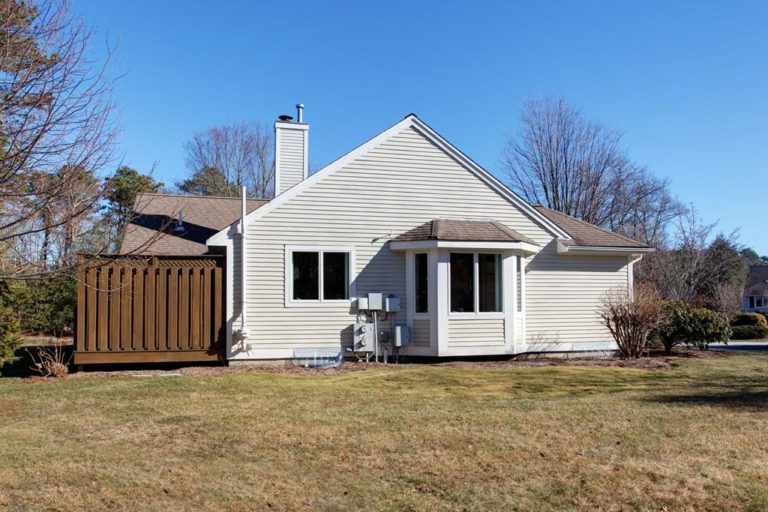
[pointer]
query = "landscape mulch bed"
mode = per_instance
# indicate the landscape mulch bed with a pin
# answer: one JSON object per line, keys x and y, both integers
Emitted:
{"x": 654, "y": 361}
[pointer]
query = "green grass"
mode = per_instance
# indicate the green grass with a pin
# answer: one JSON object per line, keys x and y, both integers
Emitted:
{"x": 692, "y": 437}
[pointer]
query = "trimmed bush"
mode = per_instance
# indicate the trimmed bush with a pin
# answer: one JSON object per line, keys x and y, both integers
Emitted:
{"x": 764, "y": 314}
{"x": 707, "y": 326}
{"x": 692, "y": 326}
{"x": 749, "y": 319}
{"x": 749, "y": 332}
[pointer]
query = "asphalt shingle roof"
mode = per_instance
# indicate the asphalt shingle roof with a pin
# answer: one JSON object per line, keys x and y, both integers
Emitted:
{"x": 151, "y": 231}
{"x": 757, "y": 282}
{"x": 463, "y": 231}
{"x": 585, "y": 234}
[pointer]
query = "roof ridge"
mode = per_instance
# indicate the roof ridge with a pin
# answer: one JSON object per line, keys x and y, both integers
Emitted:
{"x": 166, "y": 194}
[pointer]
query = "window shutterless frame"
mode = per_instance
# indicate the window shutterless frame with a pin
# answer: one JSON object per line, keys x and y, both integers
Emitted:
{"x": 476, "y": 289}
{"x": 321, "y": 250}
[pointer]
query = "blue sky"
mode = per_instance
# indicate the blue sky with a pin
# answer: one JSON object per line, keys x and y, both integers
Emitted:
{"x": 686, "y": 82}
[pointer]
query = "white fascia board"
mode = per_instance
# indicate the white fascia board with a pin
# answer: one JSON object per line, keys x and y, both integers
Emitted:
{"x": 443, "y": 244}
{"x": 220, "y": 237}
{"x": 488, "y": 178}
{"x": 577, "y": 250}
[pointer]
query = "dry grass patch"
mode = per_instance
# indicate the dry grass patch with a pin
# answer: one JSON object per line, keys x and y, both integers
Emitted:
{"x": 691, "y": 437}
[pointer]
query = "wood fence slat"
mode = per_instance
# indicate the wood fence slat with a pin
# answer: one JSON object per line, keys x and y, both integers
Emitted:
{"x": 81, "y": 309}
{"x": 126, "y": 317}
{"x": 161, "y": 310}
{"x": 173, "y": 308}
{"x": 184, "y": 309}
{"x": 93, "y": 310}
{"x": 207, "y": 294}
{"x": 194, "y": 309}
{"x": 149, "y": 310}
{"x": 138, "y": 307}
{"x": 114, "y": 308}
{"x": 218, "y": 303}
{"x": 103, "y": 299}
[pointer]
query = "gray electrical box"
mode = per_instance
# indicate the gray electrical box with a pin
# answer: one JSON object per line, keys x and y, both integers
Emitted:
{"x": 375, "y": 302}
{"x": 363, "y": 337}
{"x": 402, "y": 336}
{"x": 392, "y": 304}
{"x": 362, "y": 303}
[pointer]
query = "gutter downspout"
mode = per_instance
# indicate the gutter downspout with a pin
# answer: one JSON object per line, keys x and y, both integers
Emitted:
{"x": 243, "y": 333}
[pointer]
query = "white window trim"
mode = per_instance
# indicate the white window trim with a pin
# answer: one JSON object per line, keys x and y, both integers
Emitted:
{"x": 290, "y": 302}
{"x": 476, "y": 289}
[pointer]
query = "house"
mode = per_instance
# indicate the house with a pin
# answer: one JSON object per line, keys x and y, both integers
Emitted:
{"x": 403, "y": 244}
{"x": 756, "y": 293}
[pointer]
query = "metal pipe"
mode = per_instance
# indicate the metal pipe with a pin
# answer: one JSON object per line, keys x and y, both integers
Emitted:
{"x": 243, "y": 265}
{"x": 299, "y": 112}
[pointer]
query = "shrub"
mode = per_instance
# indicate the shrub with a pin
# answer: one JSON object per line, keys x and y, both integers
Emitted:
{"x": 707, "y": 326}
{"x": 9, "y": 334}
{"x": 51, "y": 361}
{"x": 692, "y": 326}
{"x": 676, "y": 327}
{"x": 632, "y": 320}
{"x": 749, "y": 319}
{"x": 763, "y": 314}
{"x": 749, "y": 332}
{"x": 45, "y": 305}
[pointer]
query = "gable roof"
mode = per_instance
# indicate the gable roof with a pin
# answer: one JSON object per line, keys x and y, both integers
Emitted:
{"x": 155, "y": 215}
{"x": 583, "y": 234}
{"x": 757, "y": 281}
{"x": 410, "y": 121}
{"x": 462, "y": 231}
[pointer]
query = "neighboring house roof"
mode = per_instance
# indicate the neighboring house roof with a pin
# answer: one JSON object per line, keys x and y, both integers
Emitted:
{"x": 151, "y": 230}
{"x": 584, "y": 234}
{"x": 462, "y": 231}
{"x": 410, "y": 121}
{"x": 757, "y": 281}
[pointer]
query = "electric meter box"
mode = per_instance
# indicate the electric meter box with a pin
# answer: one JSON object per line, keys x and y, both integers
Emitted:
{"x": 392, "y": 304}
{"x": 363, "y": 337}
{"x": 402, "y": 336}
{"x": 375, "y": 302}
{"x": 362, "y": 303}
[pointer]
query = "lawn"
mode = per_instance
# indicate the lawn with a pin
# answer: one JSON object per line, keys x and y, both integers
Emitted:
{"x": 692, "y": 437}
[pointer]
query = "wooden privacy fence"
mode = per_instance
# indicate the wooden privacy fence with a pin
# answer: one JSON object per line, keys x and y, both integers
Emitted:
{"x": 150, "y": 309}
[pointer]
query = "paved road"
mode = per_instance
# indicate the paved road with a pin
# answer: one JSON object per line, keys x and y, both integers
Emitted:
{"x": 742, "y": 346}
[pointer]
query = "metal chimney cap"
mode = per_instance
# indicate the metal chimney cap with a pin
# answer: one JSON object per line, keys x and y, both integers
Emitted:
{"x": 285, "y": 118}
{"x": 300, "y": 112}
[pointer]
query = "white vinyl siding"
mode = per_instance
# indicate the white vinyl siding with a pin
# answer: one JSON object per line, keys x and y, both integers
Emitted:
{"x": 396, "y": 186}
{"x": 563, "y": 295}
{"x": 291, "y": 148}
{"x": 475, "y": 332}
{"x": 421, "y": 332}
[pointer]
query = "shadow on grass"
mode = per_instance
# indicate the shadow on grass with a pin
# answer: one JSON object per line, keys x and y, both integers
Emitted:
{"x": 754, "y": 399}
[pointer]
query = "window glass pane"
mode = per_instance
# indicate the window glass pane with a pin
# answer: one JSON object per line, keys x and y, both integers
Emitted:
{"x": 422, "y": 283}
{"x": 306, "y": 281}
{"x": 462, "y": 283}
{"x": 489, "y": 273}
{"x": 519, "y": 283}
{"x": 335, "y": 275}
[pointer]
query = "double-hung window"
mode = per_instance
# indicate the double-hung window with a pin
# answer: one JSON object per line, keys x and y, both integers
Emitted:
{"x": 318, "y": 275}
{"x": 475, "y": 283}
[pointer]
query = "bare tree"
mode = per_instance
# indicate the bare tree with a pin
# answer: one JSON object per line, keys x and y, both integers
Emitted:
{"x": 632, "y": 318}
{"x": 56, "y": 131}
{"x": 697, "y": 267}
{"x": 241, "y": 152}
{"x": 578, "y": 167}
